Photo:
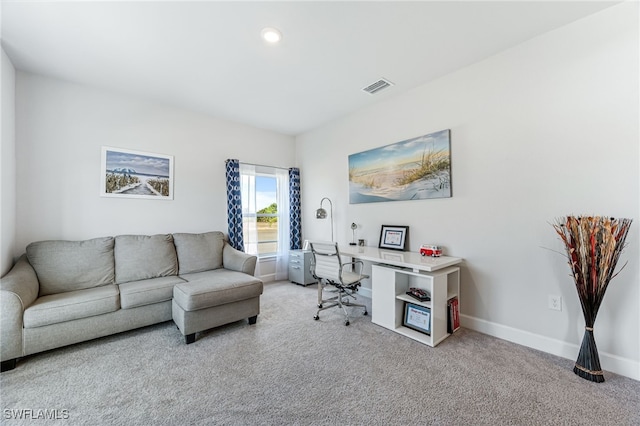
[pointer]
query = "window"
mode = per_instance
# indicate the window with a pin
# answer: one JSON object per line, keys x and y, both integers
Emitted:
{"x": 265, "y": 210}
{"x": 267, "y": 215}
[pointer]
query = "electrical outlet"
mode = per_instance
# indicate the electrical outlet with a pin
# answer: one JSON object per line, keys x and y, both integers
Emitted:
{"x": 555, "y": 302}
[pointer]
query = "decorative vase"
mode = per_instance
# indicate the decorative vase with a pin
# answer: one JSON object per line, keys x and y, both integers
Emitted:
{"x": 593, "y": 245}
{"x": 588, "y": 362}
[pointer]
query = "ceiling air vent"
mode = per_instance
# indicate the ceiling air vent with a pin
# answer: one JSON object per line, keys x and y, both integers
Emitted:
{"x": 377, "y": 86}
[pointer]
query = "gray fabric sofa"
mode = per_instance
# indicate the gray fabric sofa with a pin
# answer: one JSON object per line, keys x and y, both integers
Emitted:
{"x": 64, "y": 292}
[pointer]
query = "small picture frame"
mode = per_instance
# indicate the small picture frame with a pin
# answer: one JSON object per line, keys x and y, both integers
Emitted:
{"x": 394, "y": 237}
{"x": 417, "y": 317}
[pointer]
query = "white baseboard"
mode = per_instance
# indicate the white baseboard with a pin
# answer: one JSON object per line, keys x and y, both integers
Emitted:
{"x": 268, "y": 278}
{"x": 365, "y": 292}
{"x": 613, "y": 363}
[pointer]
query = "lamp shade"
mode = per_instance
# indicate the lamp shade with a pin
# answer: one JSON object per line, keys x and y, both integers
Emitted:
{"x": 321, "y": 213}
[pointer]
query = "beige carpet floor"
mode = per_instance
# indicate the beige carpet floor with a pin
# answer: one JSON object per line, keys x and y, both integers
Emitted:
{"x": 291, "y": 370}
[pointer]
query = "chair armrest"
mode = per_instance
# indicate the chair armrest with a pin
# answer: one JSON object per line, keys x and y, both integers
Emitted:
{"x": 359, "y": 263}
{"x": 236, "y": 260}
{"x": 18, "y": 290}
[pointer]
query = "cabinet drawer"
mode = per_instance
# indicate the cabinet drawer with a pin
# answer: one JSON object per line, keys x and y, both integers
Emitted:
{"x": 299, "y": 271}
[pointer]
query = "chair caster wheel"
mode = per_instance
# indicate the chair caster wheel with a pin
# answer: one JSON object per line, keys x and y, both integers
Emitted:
{"x": 316, "y": 317}
{"x": 366, "y": 313}
{"x": 320, "y": 305}
{"x": 346, "y": 323}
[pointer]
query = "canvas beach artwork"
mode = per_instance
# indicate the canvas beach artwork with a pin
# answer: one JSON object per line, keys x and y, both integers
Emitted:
{"x": 134, "y": 174}
{"x": 414, "y": 169}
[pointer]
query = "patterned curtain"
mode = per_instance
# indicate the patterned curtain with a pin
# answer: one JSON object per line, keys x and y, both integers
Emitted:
{"x": 295, "y": 221}
{"x": 234, "y": 205}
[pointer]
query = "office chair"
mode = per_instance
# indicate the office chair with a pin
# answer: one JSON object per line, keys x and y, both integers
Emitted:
{"x": 327, "y": 267}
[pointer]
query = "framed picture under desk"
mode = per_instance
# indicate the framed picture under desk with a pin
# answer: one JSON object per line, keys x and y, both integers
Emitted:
{"x": 417, "y": 317}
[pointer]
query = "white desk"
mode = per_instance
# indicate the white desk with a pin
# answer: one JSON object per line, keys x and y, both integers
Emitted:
{"x": 403, "y": 259}
{"x": 393, "y": 272}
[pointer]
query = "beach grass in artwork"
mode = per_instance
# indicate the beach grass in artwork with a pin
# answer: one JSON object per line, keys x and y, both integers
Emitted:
{"x": 414, "y": 169}
{"x": 136, "y": 174}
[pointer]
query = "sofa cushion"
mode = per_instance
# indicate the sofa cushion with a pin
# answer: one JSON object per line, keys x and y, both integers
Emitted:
{"x": 199, "y": 252}
{"x": 72, "y": 305}
{"x": 140, "y": 257}
{"x": 63, "y": 266}
{"x": 146, "y": 292}
{"x": 213, "y": 288}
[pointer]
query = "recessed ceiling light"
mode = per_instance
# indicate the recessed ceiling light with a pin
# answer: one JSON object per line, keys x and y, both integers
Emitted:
{"x": 271, "y": 35}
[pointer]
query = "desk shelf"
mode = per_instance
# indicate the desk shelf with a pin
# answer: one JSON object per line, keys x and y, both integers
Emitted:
{"x": 389, "y": 287}
{"x": 405, "y": 297}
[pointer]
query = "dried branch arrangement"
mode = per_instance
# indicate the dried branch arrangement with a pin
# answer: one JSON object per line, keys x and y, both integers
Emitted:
{"x": 593, "y": 245}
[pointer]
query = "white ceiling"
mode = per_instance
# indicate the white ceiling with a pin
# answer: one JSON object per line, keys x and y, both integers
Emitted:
{"x": 209, "y": 57}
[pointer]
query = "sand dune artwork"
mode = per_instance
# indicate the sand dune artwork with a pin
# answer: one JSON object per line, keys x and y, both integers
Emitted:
{"x": 414, "y": 169}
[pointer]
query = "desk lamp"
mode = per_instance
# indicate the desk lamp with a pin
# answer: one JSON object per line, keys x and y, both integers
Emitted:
{"x": 322, "y": 213}
{"x": 353, "y": 230}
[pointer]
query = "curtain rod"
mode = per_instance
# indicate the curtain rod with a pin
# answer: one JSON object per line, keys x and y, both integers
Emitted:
{"x": 262, "y": 165}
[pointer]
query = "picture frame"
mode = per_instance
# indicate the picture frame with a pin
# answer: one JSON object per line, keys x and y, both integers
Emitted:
{"x": 135, "y": 174}
{"x": 394, "y": 237}
{"x": 413, "y": 169}
{"x": 417, "y": 317}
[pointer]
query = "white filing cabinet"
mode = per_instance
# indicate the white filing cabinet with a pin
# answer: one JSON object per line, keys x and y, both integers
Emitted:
{"x": 300, "y": 267}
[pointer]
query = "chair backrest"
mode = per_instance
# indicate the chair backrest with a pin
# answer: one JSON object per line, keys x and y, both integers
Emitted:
{"x": 326, "y": 263}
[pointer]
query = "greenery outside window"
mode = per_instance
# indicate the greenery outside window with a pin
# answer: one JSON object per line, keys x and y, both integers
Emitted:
{"x": 267, "y": 217}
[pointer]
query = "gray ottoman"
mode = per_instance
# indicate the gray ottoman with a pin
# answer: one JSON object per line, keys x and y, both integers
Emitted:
{"x": 213, "y": 298}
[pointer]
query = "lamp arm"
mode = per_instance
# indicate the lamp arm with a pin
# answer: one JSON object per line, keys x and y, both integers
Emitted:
{"x": 331, "y": 211}
{"x": 329, "y": 200}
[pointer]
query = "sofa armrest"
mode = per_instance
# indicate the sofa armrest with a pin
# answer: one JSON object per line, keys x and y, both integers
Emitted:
{"x": 236, "y": 260}
{"x": 18, "y": 290}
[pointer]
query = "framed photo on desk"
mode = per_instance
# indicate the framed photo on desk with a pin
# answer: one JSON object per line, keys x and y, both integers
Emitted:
{"x": 393, "y": 237}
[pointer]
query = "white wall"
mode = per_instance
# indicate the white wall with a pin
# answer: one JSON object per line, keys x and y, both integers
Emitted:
{"x": 60, "y": 129}
{"x": 545, "y": 129}
{"x": 7, "y": 166}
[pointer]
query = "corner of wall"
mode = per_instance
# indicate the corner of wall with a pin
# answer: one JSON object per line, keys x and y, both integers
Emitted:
{"x": 7, "y": 164}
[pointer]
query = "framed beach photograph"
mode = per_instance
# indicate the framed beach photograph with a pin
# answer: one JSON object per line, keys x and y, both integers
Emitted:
{"x": 393, "y": 237}
{"x": 135, "y": 174}
{"x": 414, "y": 169}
